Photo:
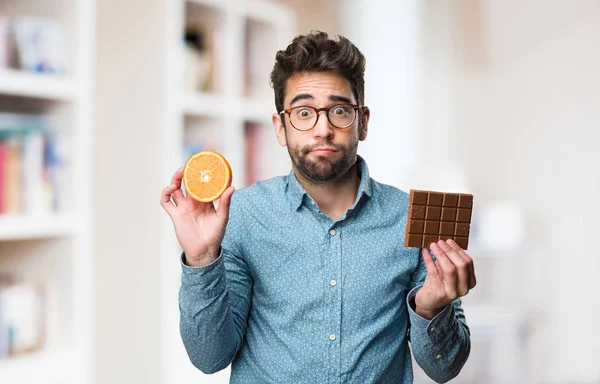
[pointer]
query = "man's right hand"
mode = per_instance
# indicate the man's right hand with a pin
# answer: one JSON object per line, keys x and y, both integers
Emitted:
{"x": 199, "y": 227}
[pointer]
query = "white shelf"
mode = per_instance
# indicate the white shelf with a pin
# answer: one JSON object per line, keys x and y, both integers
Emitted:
{"x": 213, "y": 105}
{"x": 257, "y": 111}
{"x": 63, "y": 269}
{"x": 47, "y": 366}
{"x": 204, "y": 104}
{"x": 22, "y": 227}
{"x": 43, "y": 86}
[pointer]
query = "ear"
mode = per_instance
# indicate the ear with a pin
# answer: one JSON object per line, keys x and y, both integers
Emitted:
{"x": 364, "y": 127}
{"x": 279, "y": 129}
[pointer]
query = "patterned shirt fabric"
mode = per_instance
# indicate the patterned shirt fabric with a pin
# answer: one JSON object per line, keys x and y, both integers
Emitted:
{"x": 296, "y": 297}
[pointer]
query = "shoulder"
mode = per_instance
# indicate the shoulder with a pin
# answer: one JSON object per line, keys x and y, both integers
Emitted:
{"x": 261, "y": 190}
{"x": 251, "y": 208}
{"x": 388, "y": 195}
{"x": 261, "y": 195}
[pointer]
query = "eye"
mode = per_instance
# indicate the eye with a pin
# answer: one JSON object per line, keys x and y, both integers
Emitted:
{"x": 303, "y": 113}
{"x": 341, "y": 110}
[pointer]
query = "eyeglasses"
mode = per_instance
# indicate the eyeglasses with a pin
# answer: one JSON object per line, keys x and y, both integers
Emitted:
{"x": 305, "y": 118}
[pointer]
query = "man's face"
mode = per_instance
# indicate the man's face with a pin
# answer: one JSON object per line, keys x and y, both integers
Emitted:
{"x": 323, "y": 153}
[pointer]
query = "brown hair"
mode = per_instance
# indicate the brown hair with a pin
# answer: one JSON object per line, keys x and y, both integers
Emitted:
{"x": 316, "y": 52}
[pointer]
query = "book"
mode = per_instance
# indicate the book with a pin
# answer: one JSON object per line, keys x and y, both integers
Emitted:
{"x": 4, "y": 42}
{"x": 31, "y": 166}
{"x": 22, "y": 313}
{"x": 40, "y": 44}
{"x": 3, "y": 151}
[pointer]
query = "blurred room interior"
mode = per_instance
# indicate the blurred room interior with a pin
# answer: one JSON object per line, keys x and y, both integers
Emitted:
{"x": 101, "y": 101}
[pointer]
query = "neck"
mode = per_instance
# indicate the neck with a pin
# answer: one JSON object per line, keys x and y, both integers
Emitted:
{"x": 334, "y": 197}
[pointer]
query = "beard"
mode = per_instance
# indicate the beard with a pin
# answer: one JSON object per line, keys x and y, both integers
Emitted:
{"x": 323, "y": 169}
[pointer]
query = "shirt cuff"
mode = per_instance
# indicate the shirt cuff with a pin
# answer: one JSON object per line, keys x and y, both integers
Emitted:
{"x": 207, "y": 280}
{"x": 437, "y": 329}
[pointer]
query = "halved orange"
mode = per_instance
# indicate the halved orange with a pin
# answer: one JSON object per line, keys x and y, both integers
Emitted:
{"x": 206, "y": 175}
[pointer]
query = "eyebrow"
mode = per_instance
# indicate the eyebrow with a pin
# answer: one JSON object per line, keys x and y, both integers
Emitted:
{"x": 306, "y": 96}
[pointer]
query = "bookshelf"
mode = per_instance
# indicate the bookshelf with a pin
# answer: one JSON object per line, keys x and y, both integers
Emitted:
{"x": 51, "y": 247}
{"x": 245, "y": 36}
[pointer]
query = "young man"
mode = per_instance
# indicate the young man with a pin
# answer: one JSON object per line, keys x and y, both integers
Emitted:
{"x": 304, "y": 278}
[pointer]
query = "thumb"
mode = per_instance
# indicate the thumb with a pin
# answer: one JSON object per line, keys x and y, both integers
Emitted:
{"x": 224, "y": 203}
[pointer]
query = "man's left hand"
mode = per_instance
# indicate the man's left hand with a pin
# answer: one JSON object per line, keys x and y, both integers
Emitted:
{"x": 451, "y": 276}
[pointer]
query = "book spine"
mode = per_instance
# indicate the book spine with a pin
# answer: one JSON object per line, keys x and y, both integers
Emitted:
{"x": 33, "y": 173}
{"x": 3, "y": 151}
{"x": 13, "y": 170}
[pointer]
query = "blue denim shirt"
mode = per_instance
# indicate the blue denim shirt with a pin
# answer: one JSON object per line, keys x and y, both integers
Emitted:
{"x": 296, "y": 297}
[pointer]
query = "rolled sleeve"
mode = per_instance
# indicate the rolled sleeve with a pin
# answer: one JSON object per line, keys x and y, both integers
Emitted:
{"x": 205, "y": 281}
{"x": 441, "y": 345}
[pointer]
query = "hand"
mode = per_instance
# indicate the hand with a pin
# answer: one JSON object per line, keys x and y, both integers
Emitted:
{"x": 199, "y": 227}
{"x": 450, "y": 277}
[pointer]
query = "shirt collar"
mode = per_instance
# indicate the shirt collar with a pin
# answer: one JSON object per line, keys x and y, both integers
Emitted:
{"x": 296, "y": 193}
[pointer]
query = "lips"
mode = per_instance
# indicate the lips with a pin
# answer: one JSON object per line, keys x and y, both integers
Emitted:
{"x": 323, "y": 150}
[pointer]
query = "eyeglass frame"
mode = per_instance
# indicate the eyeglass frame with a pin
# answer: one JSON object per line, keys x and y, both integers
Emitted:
{"x": 356, "y": 107}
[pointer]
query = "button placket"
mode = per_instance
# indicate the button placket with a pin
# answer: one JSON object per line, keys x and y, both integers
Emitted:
{"x": 334, "y": 296}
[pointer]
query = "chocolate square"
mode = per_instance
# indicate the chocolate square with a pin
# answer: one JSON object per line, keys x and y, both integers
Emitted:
{"x": 431, "y": 227}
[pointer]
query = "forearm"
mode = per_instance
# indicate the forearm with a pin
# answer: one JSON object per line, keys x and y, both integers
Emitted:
{"x": 209, "y": 330}
{"x": 441, "y": 345}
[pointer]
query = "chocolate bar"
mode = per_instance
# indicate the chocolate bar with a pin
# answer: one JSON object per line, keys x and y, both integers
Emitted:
{"x": 434, "y": 216}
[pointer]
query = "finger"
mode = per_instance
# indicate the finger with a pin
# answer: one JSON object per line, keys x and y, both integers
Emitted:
{"x": 468, "y": 259}
{"x": 462, "y": 270}
{"x": 432, "y": 270}
{"x": 224, "y": 203}
{"x": 177, "y": 177}
{"x": 178, "y": 196}
{"x": 165, "y": 199}
{"x": 449, "y": 273}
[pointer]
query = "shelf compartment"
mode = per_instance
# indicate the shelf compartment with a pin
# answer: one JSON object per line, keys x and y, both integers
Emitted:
{"x": 202, "y": 39}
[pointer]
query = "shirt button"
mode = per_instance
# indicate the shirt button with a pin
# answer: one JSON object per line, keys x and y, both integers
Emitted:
{"x": 332, "y": 337}
{"x": 333, "y": 283}
{"x": 439, "y": 356}
{"x": 332, "y": 232}
{"x": 432, "y": 329}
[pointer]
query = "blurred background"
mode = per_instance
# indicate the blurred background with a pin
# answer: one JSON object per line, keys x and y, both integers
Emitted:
{"x": 101, "y": 101}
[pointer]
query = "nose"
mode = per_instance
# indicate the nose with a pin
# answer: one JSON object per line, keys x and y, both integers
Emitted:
{"x": 323, "y": 129}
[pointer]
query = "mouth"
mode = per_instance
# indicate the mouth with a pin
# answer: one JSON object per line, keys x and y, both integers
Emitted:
{"x": 323, "y": 151}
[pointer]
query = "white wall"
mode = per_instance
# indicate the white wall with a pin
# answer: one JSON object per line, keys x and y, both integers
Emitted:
{"x": 127, "y": 250}
{"x": 505, "y": 92}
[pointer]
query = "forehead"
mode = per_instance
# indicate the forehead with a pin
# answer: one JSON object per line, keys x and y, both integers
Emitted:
{"x": 320, "y": 85}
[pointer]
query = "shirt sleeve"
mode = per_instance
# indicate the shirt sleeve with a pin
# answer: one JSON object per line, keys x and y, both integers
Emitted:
{"x": 214, "y": 301}
{"x": 441, "y": 346}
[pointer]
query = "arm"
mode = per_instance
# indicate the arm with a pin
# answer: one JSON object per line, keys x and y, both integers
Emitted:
{"x": 214, "y": 301}
{"x": 441, "y": 346}
{"x": 439, "y": 334}
{"x": 215, "y": 290}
